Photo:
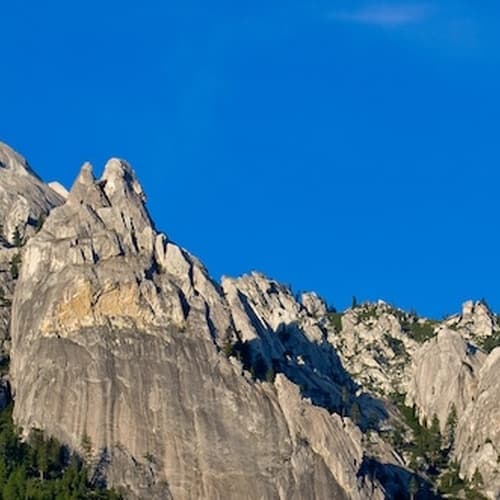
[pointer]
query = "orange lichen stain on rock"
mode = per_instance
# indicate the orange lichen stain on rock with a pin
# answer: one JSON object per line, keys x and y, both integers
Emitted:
{"x": 81, "y": 307}
{"x": 120, "y": 300}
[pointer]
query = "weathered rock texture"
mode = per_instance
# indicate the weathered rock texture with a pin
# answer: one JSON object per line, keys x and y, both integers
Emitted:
{"x": 24, "y": 197}
{"x": 24, "y": 201}
{"x": 374, "y": 347}
{"x": 117, "y": 334}
{"x": 444, "y": 373}
{"x": 478, "y": 433}
{"x": 189, "y": 389}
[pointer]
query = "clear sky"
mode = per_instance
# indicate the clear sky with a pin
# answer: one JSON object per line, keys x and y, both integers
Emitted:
{"x": 350, "y": 147}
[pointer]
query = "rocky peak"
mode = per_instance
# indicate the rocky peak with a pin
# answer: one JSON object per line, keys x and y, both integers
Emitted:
{"x": 13, "y": 162}
{"x": 313, "y": 304}
{"x": 116, "y": 336}
{"x": 476, "y": 320}
{"x": 121, "y": 181}
{"x": 182, "y": 385}
{"x": 24, "y": 197}
{"x": 86, "y": 191}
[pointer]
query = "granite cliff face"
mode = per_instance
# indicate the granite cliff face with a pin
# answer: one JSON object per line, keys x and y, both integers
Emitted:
{"x": 478, "y": 432}
{"x": 444, "y": 373}
{"x": 24, "y": 202}
{"x": 189, "y": 389}
{"x": 117, "y": 335}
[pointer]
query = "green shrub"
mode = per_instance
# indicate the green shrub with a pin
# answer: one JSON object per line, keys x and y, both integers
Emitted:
{"x": 397, "y": 346}
{"x": 335, "y": 320}
{"x": 419, "y": 331}
{"x": 491, "y": 342}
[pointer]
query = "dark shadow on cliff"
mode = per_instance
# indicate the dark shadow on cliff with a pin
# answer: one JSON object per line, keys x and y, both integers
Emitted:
{"x": 313, "y": 365}
{"x": 398, "y": 482}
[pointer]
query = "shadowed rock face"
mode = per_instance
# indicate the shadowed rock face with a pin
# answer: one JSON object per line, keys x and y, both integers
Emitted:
{"x": 116, "y": 335}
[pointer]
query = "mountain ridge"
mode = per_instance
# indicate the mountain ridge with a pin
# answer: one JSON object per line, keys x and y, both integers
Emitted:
{"x": 115, "y": 328}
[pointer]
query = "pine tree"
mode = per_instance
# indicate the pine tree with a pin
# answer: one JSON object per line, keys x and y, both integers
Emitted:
{"x": 14, "y": 266}
{"x": 477, "y": 479}
{"x": 86, "y": 445}
{"x": 450, "y": 428}
{"x": 355, "y": 413}
{"x": 270, "y": 375}
{"x": 413, "y": 487}
{"x": 354, "y": 303}
{"x": 345, "y": 399}
{"x": 17, "y": 238}
{"x": 15, "y": 487}
{"x": 435, "y": 440}
{"x": 39, "y": 223}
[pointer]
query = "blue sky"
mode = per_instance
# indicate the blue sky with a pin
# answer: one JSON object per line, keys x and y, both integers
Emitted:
{"x": 350, "y": 147}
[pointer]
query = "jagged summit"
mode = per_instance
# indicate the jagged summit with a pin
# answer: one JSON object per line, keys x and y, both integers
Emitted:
{"x": 131, "y": 332}
{"x": 86, "y": 191}
{"x": 188, "y": 389}
{"x": 118, "y": 187}
{"x": 121, "y": 181}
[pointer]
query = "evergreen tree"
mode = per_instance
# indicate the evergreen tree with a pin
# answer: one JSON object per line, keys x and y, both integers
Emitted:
{"x": 39, "y": 470}
{"x": 14, "y": 266}
{"x": 86, "y": 445}
{"x": 17, "y": 239}
{"x": 39, "y": 223}
{"x": 355, "y": 413}
{"x": 270, "y": 375}
{"x": 435, "y": 441}
{"x": 477, "y": 479}
{"x": 450, "y": 428}
{"x": 227, "y": 348}
{"x": 345, "y": 399}
{"x": 413, "y": 487}
{"x": 397, "y": 437}
{"x": 15, "y": 488}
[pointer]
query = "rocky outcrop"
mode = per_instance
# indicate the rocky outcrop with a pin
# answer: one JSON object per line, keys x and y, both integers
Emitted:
{"x": 478, "y": 432}
{"x": 476, "y": 323}
{"x": 444, "y": 372}
{"x": 375, "y": 347}
{"x": 282, "y": 336}
{"x": 118, "y": 335}
{"x": 24, "y": 197}
{"x": 381, "y": 347}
